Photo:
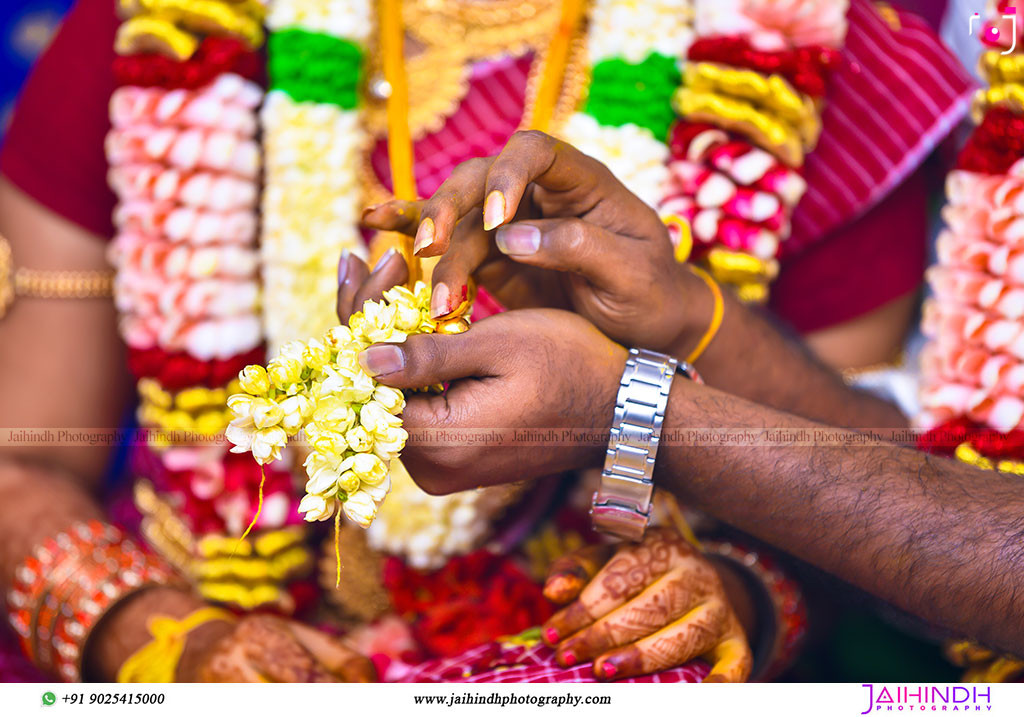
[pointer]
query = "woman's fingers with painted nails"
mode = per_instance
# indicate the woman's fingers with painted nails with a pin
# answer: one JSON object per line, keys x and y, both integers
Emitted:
{"x": 655, "y": 605}
{"x": 630, "y": 571}
{"x": 688, "y": 637}
{"x": 668, "y": 598}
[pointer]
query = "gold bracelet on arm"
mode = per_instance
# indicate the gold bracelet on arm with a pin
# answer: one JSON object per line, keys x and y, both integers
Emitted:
{"x": 41, "y": 284}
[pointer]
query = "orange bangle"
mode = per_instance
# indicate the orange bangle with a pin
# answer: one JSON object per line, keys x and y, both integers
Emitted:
{"x": 716, "y": 315}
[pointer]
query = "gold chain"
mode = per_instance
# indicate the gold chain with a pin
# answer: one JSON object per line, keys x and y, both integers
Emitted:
{"x": 444, "y": 38}
{"x": 574, "y": 86}
{"x": 48, "y": 284}
{"x": 482, "y": 28}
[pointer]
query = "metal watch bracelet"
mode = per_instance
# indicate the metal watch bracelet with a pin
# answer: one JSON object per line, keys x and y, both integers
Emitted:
{"x": 622, "y": 505}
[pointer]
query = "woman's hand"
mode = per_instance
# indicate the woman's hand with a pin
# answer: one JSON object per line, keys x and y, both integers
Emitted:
{"x": 262, "y": 648}
{"x": 531, "y": 393}
{"x": 258, "y": 648}
{"x": 655, "y": 605}
{"x": 555, "y": 208}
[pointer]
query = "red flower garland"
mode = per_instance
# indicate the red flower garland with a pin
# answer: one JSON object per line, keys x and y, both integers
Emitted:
{"x": 944, "y": 439}
{"x": 995, "y": 145}
{"x": 215, "y": 56}
{"x": 473, "y": 599}
{"x": 178, "y": 370}
{"x": 806, "y": 68}
{"x": 234, "y": 475}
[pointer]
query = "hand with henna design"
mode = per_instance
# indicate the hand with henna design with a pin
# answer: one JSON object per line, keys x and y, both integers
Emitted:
{"x": 654, "y": 605}
{"x": 263, "y": 648}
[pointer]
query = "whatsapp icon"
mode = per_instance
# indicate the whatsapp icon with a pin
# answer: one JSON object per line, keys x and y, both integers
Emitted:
{"x": 49, "y": 698}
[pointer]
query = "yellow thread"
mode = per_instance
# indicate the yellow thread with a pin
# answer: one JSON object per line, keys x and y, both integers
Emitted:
{"x": 685, "y": 246}
{"x": 555, "y": 63}
{"x": 337, "y": 547}
{"x": 259, "y": 509}
{"x": 157, "y": 661}
{"x": 716, "y": 315}
{"x": 400, "y": 154}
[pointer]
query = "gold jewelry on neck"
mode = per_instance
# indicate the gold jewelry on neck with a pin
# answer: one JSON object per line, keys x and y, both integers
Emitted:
{"x": 48, "y": 284}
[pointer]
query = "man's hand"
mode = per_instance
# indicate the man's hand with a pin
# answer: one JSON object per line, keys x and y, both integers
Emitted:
{"x": 653, "y": 606}
{"x": 519, "y": 371}
{"x": 569, "y": 235}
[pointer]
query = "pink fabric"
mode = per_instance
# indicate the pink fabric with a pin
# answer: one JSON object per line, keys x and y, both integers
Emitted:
{"x": 896, "y": 95}
{"x": 503, "y": 663}
{"x": 486, "y": 118}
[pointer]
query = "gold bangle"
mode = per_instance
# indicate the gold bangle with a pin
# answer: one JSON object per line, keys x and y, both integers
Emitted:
{"x": 48, "y": 284}
{"x": 716, "y": 315}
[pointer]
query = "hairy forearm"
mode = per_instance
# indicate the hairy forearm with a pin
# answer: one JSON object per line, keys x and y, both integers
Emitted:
{"x": 751, "y": 358}
{"x": 937, "y": 538}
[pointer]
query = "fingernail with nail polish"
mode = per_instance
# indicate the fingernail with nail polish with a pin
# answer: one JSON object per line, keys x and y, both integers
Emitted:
{"x": 494, "y": 210}
{"x": 569, "y": 658}
{"x": 385, "y": 258}
{"x": 343, "y": 266}
{"x": 552, "y": 636}
{"x": 424, "y": 235}
{"x": 439, "y": 301}
{"x": 608, "y": 669}
{"x": 518, "y": 239}
{"x": 382, "y": 359}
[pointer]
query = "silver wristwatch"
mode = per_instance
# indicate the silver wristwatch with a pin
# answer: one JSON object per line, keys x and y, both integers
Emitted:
{"x": 622, "y": 505}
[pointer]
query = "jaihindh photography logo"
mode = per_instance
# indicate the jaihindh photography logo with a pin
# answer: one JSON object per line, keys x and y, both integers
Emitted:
{"x": 946, "y": 698}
